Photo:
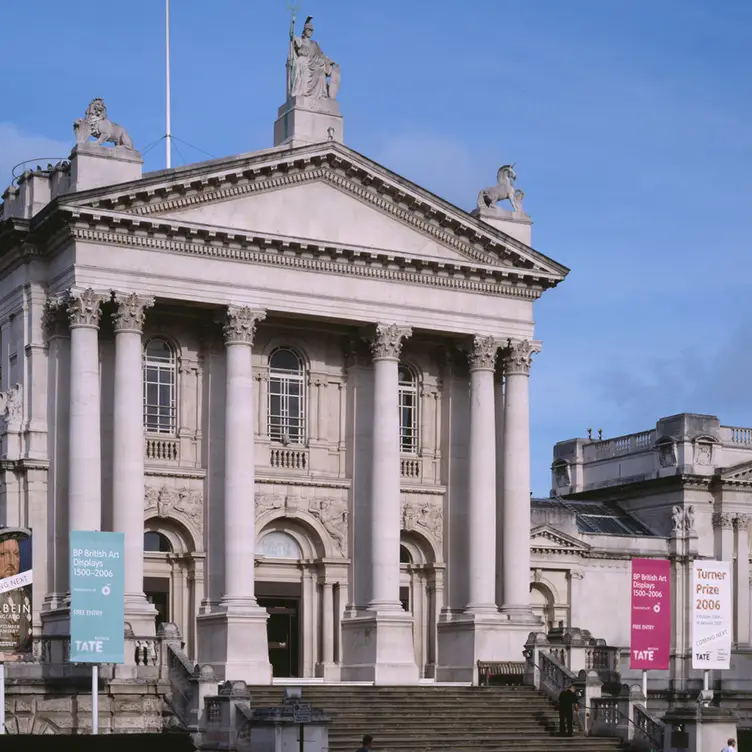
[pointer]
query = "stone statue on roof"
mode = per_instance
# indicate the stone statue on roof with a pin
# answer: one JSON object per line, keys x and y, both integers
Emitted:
{"x": 311, "y": 73}
{"x": 503, "y": 190}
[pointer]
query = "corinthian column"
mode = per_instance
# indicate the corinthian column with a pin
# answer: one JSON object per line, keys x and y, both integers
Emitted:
{"x": 232, "y": 639}
{"x": 84, "y": 439}
{"x": 128, "y": 454}
{"x": 516, "y": 483}
{"x": 240, "y": 471}
{"x": 386, "y": 346}
{"x": 481, "y": 501}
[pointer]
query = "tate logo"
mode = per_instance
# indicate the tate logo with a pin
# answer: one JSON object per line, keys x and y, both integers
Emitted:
{"x": 644, "y": 655}
{"x": 702, "y": 656}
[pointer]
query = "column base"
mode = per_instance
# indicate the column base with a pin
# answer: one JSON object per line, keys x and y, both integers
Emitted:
{"x": 329, "y": 672}
{"x": 140, "y": 615}
{"x": 520, "y": 615}
{"x": 469, "y": 638}
{"x": 378, "y": 647}
{"x": 233, "y": 642}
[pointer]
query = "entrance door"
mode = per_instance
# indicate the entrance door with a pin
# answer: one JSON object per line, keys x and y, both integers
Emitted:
{"x": 283, "y": 634}
{"x": 157, "y": 591}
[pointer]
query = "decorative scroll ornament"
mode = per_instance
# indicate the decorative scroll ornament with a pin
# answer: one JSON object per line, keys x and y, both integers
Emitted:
{"x": 425, "y": 515}
{"x": 165, "y": 501}
{"x": 386, "y": 344}
{"x": 84, "y": 309}
{"x": 483, "y": 355}
{"x": 131, "y": 312}
{"x": 518, "y": 356}
{"x": 240, "y": 324}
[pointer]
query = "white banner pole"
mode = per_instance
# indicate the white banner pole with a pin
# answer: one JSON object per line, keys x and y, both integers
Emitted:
{"x": 94, "y": 698}
{"x": 706, "y": 680}
{"x": 645, "y": 687}
{"x": 2, "y": 697}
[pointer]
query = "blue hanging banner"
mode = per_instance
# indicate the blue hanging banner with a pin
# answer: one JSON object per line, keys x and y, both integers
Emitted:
{"x": 97, "y": 584}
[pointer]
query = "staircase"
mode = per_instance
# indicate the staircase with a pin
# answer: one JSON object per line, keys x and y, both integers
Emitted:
{"x": 438, "y": 718}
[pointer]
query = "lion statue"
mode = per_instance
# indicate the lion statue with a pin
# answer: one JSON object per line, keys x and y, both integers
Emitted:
{"x": 95, "y": 123}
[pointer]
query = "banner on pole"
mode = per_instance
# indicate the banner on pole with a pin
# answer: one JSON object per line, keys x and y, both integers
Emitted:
{"x": 650, "y": 643}
{"x": 15, "y": 593}
{"x": 97, "y": 583}
{"x": 712, "y": 613}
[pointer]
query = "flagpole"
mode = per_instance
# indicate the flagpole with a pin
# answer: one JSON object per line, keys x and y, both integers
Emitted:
{"x": 168, "y": 134}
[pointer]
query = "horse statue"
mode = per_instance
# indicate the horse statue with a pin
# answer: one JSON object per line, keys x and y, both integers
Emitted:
{"x": 95, "y": 123}
{"x": 504, "y": 189}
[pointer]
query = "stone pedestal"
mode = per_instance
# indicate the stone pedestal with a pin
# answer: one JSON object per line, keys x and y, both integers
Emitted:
{"x": 305, "y": 120}
{"x": 698, "y": 729}
{"x": 379, "y": 648}
{"x": 517, "y": 225}
{"x": 95, "y": 166}
{"x": 469, "y": 638}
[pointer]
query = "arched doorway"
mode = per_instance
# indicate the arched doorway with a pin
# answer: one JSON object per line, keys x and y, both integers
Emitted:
{"x": 422, "y": 594}
{"x": 543, "y": 603}
{"x": 173, "y": 576}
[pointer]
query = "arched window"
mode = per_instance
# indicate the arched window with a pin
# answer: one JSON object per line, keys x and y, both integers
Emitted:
{"x": 286, "y": 413}
{"x": 160, "y": 382}
{"x": 408, "y": 409}
{"x": 156, "y": 543}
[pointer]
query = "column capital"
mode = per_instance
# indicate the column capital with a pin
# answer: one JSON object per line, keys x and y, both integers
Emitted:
{"x": 239, "y": 327}
{"x": 482, "y": 355}
{"x": 83, "y": 309}
{"x": 130, "y": 312}
{"x": 386, "y": 340}
{"x": 518, "y": 355}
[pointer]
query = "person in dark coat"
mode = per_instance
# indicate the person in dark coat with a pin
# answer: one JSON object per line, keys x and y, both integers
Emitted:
{"x": 568, "y": 706}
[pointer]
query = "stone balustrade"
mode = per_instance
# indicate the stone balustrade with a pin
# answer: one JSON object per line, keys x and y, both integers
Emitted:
{"x": 410, "y": 467}
{"x": 289, "y": 458}
{"x": 620, "y": 445}
{"x": 159, "y": 449}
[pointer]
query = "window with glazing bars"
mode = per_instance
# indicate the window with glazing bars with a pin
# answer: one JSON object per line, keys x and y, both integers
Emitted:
{"x": 160, "y": 380}
{"x": 286, "y": 411}
{"x": 408, "y": 410}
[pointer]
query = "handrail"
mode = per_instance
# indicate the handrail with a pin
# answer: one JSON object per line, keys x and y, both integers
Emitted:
{"x": 529, "y": 658}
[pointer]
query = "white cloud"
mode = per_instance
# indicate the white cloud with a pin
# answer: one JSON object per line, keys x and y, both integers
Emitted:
{"x": 17, "y": 146}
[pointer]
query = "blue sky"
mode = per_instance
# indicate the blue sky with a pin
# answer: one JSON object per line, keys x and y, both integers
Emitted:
{"x": 630, "y": 122}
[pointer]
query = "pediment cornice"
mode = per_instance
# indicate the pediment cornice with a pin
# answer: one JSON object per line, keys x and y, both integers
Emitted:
{"x": 737, "y": 475}
{"x": 340, "y": 167}
{"x": 545, "y": 538}
{"x": 157, "y": 233}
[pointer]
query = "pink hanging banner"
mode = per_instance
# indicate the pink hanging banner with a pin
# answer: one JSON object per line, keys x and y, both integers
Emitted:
{"x": 651, "y": 614}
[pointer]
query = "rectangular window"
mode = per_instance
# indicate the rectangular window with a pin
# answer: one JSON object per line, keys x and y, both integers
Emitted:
{"x": 408, "y": 409}
{"x": 159, "y": 399}
{"x": 286, "y": 410}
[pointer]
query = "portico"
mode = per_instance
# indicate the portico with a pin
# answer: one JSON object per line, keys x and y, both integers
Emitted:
{"x": 315, "y": 375}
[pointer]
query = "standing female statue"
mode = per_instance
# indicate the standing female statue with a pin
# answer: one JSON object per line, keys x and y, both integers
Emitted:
{"x": 312, "y": 73}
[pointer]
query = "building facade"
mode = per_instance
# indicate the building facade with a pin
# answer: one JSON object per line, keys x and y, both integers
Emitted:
{"x": 295, "y": 381}
{"x": 680, "y": 491}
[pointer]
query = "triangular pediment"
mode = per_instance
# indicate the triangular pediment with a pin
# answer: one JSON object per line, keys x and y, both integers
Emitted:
{"x": 325, "y": 194}
{"x": 741, "y": 473}
{"x": 549, "y": 539}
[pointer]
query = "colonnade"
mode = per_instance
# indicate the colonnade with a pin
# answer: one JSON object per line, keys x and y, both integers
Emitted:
{"x": 223, "y": 638}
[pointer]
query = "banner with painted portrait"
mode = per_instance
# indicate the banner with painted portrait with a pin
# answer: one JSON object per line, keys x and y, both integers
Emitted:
{"x": 15, "y": 593}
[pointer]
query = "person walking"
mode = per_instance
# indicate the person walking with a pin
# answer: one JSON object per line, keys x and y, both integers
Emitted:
{"x": 730, "y": 746}
{"x": 568, "y": 706}
{"x": 366, "y": 743}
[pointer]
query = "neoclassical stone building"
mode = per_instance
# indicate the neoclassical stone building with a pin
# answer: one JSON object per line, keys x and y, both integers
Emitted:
{"x": 680, "y": 491}
{"x": 296, "y": 382}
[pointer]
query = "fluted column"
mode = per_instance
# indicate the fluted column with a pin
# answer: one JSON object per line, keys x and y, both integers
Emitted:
{"x": 128, "y": 451}
{"x": 516, "y": 482}
{"x": 84, "y": 438}
{"x": 386, "y": 346}
{"x": 481, "y": 497}
{"x": 240, "y": 516}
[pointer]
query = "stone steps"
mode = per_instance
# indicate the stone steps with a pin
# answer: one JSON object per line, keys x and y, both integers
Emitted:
{"x": 434, "y": 719}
